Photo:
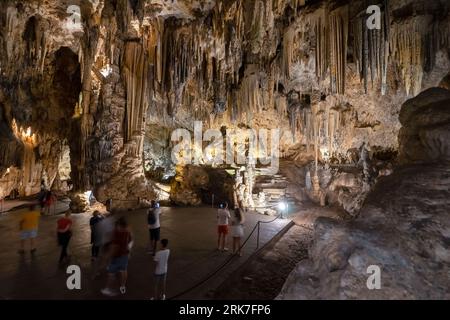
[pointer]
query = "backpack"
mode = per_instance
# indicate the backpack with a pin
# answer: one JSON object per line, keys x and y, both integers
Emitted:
{"x": 151, "y": 217}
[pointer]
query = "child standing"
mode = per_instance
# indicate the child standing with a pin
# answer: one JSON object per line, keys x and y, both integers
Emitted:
{"x": 161, "y": 259}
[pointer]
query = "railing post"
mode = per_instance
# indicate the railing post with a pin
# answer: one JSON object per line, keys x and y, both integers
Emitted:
{"x": 257, "y": 236}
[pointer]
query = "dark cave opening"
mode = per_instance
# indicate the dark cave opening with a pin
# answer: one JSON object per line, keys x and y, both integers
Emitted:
{"x": 66, "y": 91}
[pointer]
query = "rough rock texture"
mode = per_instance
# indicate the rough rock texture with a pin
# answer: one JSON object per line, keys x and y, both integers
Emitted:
{"x": 112, "y": 79}
{"x": 194, "y": 185}
{"x": 188, "y": 181}
{"x": 425, "y": 133}
{"x": 404, "y": 226}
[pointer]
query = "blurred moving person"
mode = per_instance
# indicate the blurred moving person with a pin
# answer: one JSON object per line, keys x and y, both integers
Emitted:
{"x": 64, "y": 232}
{"x": 105, "y": 231}
{"x": 161, "y": 258}
{"x": 119, "y": 252}
{"x": 96, "y": 236}
{"x": 28, "y": 227}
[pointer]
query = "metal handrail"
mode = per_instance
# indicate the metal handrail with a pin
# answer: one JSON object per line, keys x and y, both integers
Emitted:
{"x": 199, "y": 283}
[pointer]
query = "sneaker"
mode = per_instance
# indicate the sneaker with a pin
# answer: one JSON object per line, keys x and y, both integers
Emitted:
{"x": 123, "y": 290}
{"x": 225, "y": 249}
{"x": 108, "y": 292}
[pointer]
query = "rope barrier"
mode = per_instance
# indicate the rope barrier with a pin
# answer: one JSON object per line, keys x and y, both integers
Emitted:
{"x": 223, "y": 265}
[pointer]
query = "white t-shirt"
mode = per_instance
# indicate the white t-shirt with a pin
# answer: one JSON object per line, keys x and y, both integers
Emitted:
{"x": 156, "y": 212}
{"x": 161, "y": 258}
{"x": 222, "y": 217}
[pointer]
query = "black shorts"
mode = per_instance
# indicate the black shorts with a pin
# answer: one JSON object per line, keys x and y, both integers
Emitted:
{"x": 155, "y": 234}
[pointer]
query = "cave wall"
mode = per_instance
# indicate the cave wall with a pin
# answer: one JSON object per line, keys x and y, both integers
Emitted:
{"x": 301, "y": 66}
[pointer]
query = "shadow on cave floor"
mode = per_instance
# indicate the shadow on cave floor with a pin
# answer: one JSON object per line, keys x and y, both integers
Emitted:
{"x": 192, "y": 236}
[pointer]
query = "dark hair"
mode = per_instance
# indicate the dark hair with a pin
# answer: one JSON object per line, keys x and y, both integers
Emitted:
{"x": 238, "y": 214}
{"x": 153, "y": 204}
{"x": 122, "y": 222}
{"x": 164, "y": 242}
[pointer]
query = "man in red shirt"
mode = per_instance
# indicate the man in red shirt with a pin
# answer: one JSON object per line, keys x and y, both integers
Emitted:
{"x": 64, "y": 232}
{"x": 120, "y": 249}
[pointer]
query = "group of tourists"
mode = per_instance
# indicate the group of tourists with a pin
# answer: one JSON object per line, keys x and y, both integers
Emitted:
{"x": 224, "y": 221}
{"x": 112, "y": 240}
{"x": 111, "y": 243}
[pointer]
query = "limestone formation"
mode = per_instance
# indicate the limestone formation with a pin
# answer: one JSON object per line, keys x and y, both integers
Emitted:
{"x": 402, "y": 227}
{"x": 92, "y": 94}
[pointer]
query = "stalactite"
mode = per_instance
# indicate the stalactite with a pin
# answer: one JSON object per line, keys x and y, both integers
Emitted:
{"x": 320, "y": 26}
{"x": 407, "y": 46}
{"x": 288, "y": 52}
{"x": 135, "y": 68}
{"x": 11, "y": 25}
{"x": 338, "y": 48}
{"x": 371, "y": 50}
{"x": 249, "y": 100}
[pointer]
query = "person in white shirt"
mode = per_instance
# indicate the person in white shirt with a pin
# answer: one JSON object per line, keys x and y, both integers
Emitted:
{"x": 154, "y": 226}
{"x": 161, "y": 258}
{"x": 223, "y": 216}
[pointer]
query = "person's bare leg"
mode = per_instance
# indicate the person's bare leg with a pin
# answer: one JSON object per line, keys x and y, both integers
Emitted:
{"x": 154, "y": 246}
{"x": 123, "y": 278}
{"x": 163, "y": 287}
{"x": 224, "y": 241}
{"x": 156, "y": 288}
{"x": 110, "y": 281}
{"x": 221, "y": 245}
{"x": 218, "y": 241}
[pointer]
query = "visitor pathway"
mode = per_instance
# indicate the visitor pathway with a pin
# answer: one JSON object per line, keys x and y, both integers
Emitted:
{"x": 192, "y": 236}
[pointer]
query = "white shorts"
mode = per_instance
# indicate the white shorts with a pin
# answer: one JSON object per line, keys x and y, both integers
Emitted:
{"x": 237, "y": 231}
